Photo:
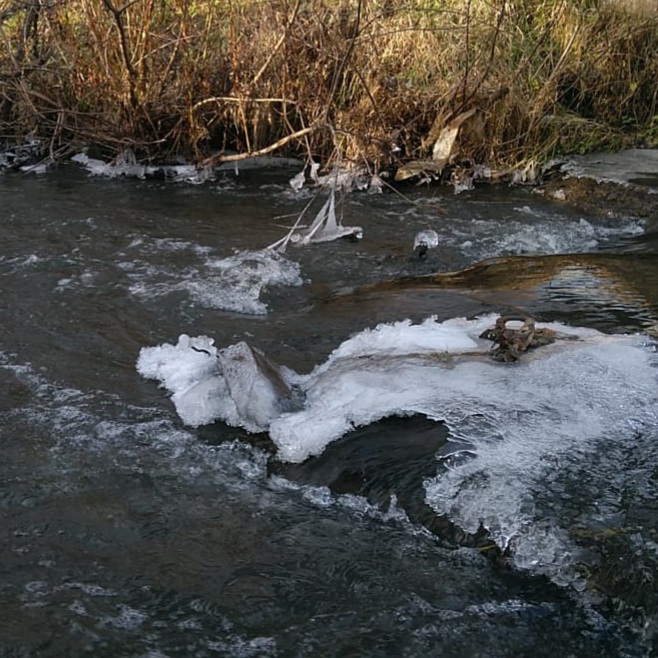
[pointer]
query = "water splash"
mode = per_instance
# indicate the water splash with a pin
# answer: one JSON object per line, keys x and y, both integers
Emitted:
{"x": 230, "y": 284}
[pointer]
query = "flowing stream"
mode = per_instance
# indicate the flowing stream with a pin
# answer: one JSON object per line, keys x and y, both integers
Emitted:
{"x": 509, "y": 514}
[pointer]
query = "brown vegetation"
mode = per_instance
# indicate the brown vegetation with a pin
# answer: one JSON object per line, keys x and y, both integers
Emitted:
{"x": 349, "y": 79}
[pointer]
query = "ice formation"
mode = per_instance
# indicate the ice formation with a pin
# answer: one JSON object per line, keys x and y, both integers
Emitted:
{"x": 397, "y": 368}
{"x": 518, "y": 420}
{"x": 324, "y": 228}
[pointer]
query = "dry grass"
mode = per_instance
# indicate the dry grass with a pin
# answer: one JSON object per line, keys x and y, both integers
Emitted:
{"x": 342, "y": 79}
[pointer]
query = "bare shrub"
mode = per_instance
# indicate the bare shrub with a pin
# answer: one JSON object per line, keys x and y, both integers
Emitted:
{"x": 368, "y": 81}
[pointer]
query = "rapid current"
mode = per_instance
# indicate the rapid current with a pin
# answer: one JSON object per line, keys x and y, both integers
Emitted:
{"x": 404, "y": 505}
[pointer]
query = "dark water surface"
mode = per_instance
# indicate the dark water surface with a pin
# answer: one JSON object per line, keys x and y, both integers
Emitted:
{"x": 127, "y": 534}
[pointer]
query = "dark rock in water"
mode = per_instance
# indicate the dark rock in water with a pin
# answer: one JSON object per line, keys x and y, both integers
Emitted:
{"x": 420, "y": 251}
{"x": 389, "y": 458}
{"x": 272, "y": 372}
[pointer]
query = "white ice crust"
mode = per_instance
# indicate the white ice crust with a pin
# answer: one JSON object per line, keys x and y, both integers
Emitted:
{"x": 516, "y": 420}
{"x": 397, "y": 368}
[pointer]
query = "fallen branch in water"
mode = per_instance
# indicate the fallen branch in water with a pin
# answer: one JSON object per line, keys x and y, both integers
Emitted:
{"x": 237, "y": 157}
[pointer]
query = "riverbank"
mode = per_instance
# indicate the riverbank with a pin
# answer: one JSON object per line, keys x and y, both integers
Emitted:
{"x": 374, "y": 84}
{"x": 600, "y": 197}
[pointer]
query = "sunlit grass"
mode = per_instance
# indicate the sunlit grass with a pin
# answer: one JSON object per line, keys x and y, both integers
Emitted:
{"x": 342, "y": 79}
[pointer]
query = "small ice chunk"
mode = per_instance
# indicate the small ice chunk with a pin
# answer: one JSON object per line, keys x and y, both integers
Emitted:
{"x": 424, "y": 240}
{"x": 297, "y": 182}
{"x": 190, "y": 371}
{"x": 257, "y": 386}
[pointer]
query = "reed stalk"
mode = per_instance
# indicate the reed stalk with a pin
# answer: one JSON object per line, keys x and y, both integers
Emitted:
{"x": 364, "y": 81}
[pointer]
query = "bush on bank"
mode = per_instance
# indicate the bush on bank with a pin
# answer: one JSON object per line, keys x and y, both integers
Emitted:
{"x": 365, "y": 81}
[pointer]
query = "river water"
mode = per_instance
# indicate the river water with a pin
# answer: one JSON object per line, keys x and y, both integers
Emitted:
{"x": 127, "y": 532}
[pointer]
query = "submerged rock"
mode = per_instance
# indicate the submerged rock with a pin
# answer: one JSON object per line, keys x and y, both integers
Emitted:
{"x": 424, "y": 240}
{"x": 257, "y": 385}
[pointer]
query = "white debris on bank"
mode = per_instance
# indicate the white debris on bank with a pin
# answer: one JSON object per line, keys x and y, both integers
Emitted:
{"x": 125, "y": 165}
{"x": 342, "y": 179}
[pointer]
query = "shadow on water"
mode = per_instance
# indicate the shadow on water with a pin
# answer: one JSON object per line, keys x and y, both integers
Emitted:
{"x": 611, "y": 291}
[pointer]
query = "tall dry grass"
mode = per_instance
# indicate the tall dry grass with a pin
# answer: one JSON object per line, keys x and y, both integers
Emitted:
{"x": 349, "y": 79}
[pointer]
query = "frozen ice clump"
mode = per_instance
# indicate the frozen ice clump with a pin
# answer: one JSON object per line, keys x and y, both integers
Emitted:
{"x": 190, "y": 371}
{"x": 238, "y": 385}
{"x": 397, "y": 368}
{"x": 521, "y": 423}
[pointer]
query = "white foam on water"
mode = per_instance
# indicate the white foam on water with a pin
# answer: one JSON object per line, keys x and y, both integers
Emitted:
{"x": 230, "y": 284}
{"x": 155, "y": 245}
{"x": 259, "y": 647}
{"x": 79, "y": 424}
{"x": 543, "y": 236}
{"x": 530, "y": 230}
{"x": 155, "y": 268}
{"x": 235, "y": 283}
{"x": 19, "y": 263}
{"x": 127, "y": 619}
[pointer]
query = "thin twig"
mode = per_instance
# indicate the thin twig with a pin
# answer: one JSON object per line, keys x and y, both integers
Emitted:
{"x": 239, "y": 99}
{"x": 278, "y": 45}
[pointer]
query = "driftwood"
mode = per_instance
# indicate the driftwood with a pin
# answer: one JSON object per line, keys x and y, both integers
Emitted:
{"x": 510, "y": 343}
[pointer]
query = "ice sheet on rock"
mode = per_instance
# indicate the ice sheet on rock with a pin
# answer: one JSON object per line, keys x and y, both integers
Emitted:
{"x": 25, "y": 156}
{"x": 371, "y": 377}
{"x": 405, "y": 338}
{"x": 522, "y": 421}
